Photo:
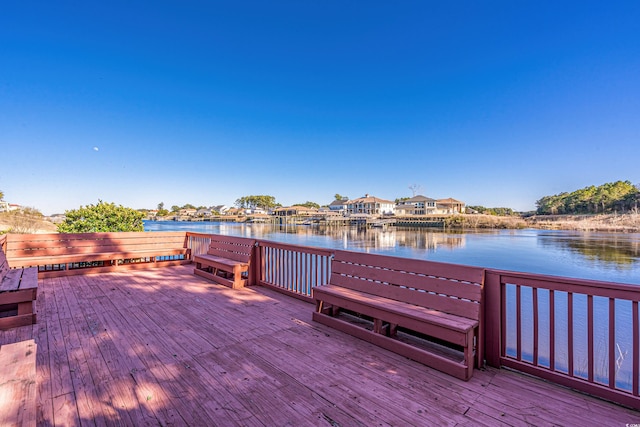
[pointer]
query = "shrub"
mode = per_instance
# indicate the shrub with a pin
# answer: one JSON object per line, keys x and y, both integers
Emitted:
{"x": 103, "y": 217}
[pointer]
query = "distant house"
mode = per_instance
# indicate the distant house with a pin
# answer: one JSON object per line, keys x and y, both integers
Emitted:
{"x": 233, "y": 211}
{"x": 417, "y": 205}
{"x": 295, "y": 211}
{"x": 370, "y": 205}
{"x": 4, "y": 206}
{"x": 339, "y": 206}
{"x": 449, "y": 206}
{"x": 187, "y": 212}
{"x": 221, "y": 209}
{"x": 204, "y": 213}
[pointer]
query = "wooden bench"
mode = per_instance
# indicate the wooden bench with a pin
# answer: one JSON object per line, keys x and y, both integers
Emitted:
{"x": 63, "y": 254}
{"x": 18, "y": 384}
{"x": 227, "y": 260}
{"x": 18, "y": 291}
{"x": 427, "y": 311}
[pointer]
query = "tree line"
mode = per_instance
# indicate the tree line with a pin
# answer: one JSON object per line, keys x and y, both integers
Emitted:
{"x": 619, "y": 196}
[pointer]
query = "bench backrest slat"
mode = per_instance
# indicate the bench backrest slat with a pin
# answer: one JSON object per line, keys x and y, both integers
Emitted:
{"x": 234, "y": 248}
{"x": 449, "y": 288}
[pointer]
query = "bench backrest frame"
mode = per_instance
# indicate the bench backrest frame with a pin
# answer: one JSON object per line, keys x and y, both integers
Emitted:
{"x": 231, "y": 247}
{"x": 55, "y": 244}
{"x": 450, "y": 288}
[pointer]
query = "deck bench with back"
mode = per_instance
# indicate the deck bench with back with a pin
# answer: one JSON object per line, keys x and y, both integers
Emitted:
{"x": 227, "y": 260}
{"x": 427, "y": 311}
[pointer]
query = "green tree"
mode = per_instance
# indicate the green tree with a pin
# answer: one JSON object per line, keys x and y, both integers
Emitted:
{"x": 339, "y": 196}
{"x": 1, "y": 195}
{"x": 312, "y": 205}
{"x": 613, "y": 196}
{"x": 161, "y": 206}
{"x": 253, "y": 202}
{"x": 102, "y": 217}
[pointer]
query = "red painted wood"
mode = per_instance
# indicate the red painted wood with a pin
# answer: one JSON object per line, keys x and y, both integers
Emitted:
{"x": 518, "y": 322}
{"x": 636, "y": 349}
{"x": 590, "y": 340}
{"x": 240, "y": 354}
{"x": 612, "y": 343}
{"x": 535, "y": 326}
{"x": 417, "y": 295}
{"x": 18, "y": 383}
{"x": 552, "y": 331}
{"x": 570, "y": 335}
{"x": 227, "y": 254}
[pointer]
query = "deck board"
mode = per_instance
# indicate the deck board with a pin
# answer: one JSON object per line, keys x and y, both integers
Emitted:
{"x": 165, "y": 347}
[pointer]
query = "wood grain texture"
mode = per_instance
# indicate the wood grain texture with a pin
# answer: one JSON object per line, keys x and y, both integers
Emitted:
{"x": 165, "y": 347}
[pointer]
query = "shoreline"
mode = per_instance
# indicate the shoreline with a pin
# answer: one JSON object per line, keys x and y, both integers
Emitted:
{"x": 606, "y": 223}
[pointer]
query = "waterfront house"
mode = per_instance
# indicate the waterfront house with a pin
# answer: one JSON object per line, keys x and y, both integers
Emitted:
{"x": 449, "y": 206}
{"x": 295, "y": 210}
{"x": 339, "y": 206}
{"x": 204, "y": 213}
{"x": 417, "y": 205}
{"x": 370, "y": 205}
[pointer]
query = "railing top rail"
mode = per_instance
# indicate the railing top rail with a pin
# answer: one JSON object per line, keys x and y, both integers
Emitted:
{"x": 43, "y": 237}
{"x": 203, "y": 235}
{"x": 569, "y": 284}
{"x": 302, "y": 248}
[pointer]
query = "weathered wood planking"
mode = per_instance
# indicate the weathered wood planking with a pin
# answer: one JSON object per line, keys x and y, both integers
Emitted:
{"x": 18, "y": 384}
{"x": 191, "y": 352}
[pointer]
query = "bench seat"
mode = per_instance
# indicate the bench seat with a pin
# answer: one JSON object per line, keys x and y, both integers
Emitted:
{"x": 419, "y": 319}
{"x": 18, "y": 292}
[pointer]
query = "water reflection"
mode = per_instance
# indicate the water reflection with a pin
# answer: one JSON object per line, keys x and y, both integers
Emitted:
{"x": 620, "y": 250}
{"x": 598, "y": 256}
{"x": 365, "y": 239}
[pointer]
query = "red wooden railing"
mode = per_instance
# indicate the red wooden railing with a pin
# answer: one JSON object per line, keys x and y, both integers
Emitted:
{"x": 292, "y": 269}
{"x": 579, "y": 333}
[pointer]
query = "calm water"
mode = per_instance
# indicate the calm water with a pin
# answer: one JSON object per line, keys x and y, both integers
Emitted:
{"x": 598, "y": 256}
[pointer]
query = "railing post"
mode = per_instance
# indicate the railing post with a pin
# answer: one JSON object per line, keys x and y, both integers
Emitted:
{"x": 492, "y": 317}
{"x": 256, "y": 263}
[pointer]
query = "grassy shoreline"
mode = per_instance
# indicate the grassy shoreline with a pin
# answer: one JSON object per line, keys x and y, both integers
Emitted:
{"x": 626, "y": 223}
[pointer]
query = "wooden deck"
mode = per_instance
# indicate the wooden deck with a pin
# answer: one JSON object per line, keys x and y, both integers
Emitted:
{"x": 165, "y": 347}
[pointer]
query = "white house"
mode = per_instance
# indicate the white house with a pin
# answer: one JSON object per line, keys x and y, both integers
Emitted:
{"x": 370, "y": 205}
{"x": 417, "y": 205}
{"x": 339, "y": 206}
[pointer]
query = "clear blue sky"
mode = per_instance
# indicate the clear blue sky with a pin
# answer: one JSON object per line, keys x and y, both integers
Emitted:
{"x": 203, "y": 102}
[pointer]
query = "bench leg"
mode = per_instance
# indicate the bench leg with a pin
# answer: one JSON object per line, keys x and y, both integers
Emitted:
{"x": 469, "y": 358}
{"x": 393, "y": 329}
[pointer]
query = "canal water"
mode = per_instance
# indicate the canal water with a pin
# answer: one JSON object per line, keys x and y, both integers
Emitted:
{"x": 613, "y": 257}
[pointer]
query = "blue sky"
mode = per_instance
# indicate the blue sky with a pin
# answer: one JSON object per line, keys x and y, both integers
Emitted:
{"x": 203, "y": 102}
